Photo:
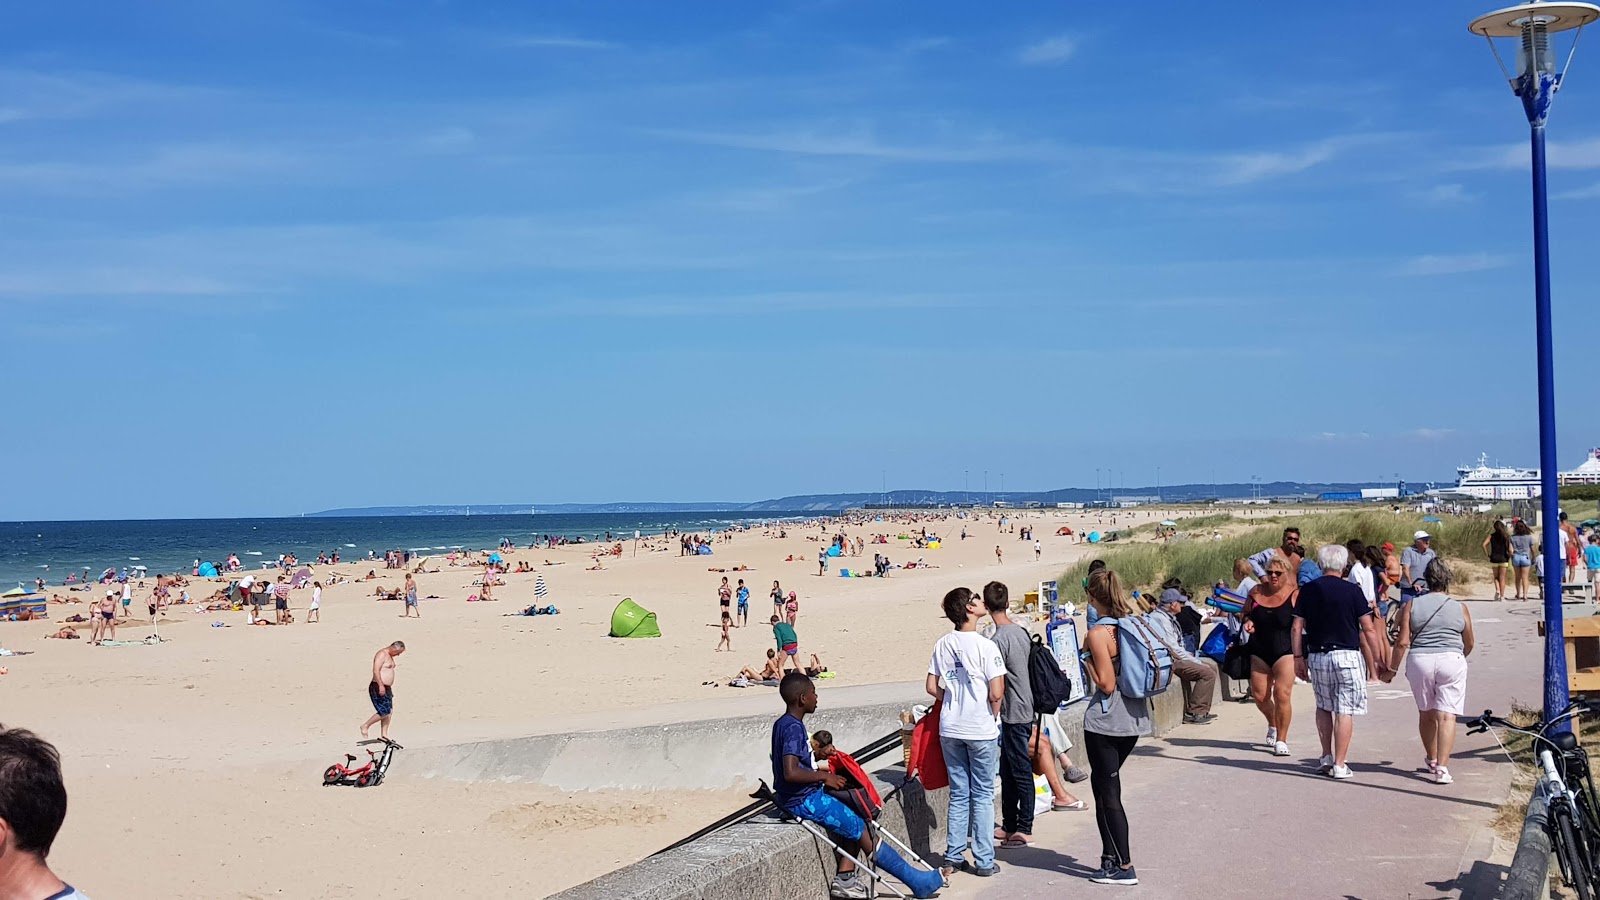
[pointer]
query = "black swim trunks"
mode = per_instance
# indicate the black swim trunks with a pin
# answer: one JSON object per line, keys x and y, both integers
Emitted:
{"x": 383, "y": 704}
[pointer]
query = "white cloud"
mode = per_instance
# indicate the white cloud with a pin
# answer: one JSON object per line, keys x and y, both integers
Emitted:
{"x": 1591, "y": 192}
{"x": 1458, "y": 264}
{"x": 1583, "y": 154}
{"x": 561, "y": 43}
{"x": 1246, "y": 168}
{"x": 162, "y": 167}
{"x": 863, "y": 143}
{"x": 1445, "y": 195}
{"x": 1048, "y": 52}
{"x": 1431, "y": 434}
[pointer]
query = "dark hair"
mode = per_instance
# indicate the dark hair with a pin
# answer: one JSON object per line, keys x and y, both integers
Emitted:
{"x": 1522, "y": 528}
{"x": 1374, "y": 558}
{"x": 1358, "y": 550}
{"x": 995, "y": 597}
{"x": 1294, "y": 530}
{"x": 955, "y": 606}
{"x": 1438, "y": 575}
{"x": 1096, "y": 566}
{"x": 823, "y": 737}
{"x": 794, "y": 686}
{"x": 33, "y": 799}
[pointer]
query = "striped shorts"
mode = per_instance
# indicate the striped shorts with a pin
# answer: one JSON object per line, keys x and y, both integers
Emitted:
{"x": 1339, "y": 679}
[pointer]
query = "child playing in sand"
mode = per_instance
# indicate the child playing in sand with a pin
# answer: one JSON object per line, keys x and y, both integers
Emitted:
{"x": 801, "y": 790}
{"x": 726, "y": 643}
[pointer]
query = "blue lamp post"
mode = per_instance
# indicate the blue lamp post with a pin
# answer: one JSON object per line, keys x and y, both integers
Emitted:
{"x": 1535, "y": 83}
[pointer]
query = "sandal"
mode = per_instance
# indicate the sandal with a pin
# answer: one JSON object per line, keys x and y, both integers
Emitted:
{"x": 1015, "y": 841}
{"x": 1059, "y": 807}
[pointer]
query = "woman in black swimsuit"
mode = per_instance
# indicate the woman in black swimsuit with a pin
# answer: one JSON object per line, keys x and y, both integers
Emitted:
{"x": 1269, "y": 620}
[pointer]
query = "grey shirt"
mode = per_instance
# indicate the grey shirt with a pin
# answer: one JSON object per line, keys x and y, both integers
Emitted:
{"x": 1014, "y": 642}
{"x": 1171, "y": 635}
{"x": 1415, "y": 564}
{"x": 1522, "y": 545}
{"x": 1437, "y": 624}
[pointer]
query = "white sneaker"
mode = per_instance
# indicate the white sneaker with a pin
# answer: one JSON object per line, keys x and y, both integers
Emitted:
{"x": 1341, "y": 772}
{"x": 1441, "y": 775}
{"x": 1280, "y": 749}
{"x": 1324, "y": 765}
{"x": 1272, "y": 736}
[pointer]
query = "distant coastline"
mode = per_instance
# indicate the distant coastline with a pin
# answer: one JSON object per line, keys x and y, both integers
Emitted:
{"x": 831, "y": 503}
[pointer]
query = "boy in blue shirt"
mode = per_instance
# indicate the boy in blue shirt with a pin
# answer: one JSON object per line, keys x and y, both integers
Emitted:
{"x": 803, "y": 792}
{"x": 744, "y": 604}
{"x": 1591, "y": 559}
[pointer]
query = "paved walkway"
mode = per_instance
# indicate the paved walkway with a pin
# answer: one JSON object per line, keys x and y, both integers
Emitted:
{"x": 1214, "y": 815}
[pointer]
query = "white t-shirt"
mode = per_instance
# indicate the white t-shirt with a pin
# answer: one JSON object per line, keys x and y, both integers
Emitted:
{"x": 316, "y": 597}
{"x": 68, "y": 893}
{"x": 247, "y": 582}
{"x": 965, "y": 662}
{"x": 1361, "y": 576}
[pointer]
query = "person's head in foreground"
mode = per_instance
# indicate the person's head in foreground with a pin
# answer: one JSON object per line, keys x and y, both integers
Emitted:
{"x": 798, "y": 694}
{"x": 996, "y": 597}
{"x": 397, "y": 648}
{"x": 822, "y": 744}
{"x": 963, "y": 608}
{"x": 1107, "y": 594}
{"x": 33, "y": 804}
{"x": 1437, "y": 576}
{"x": 1333, "y": 558}
{"x": 774, "y": 620}
{"x": 1420, "y": 541}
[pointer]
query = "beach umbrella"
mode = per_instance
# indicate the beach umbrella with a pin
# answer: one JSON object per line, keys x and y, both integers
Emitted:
{"x": 494, "y": 557}
{"x": 1432, "y": 519}
{"x": 15, "y": 592}
{"x": 539, "y": 590}
{"x": 1169, "y": 523}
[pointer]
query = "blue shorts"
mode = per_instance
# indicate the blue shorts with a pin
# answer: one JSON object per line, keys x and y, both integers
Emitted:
{"x": 822, "y": 809}
{"x": 383, "y": 704}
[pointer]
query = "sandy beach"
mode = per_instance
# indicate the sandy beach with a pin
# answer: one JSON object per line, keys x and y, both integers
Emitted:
{"x": 194, "y": 766}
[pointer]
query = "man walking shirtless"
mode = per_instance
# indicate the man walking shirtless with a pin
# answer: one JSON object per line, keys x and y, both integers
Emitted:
{"x": 104, "y": 615}
{"x": 381, "y": 690}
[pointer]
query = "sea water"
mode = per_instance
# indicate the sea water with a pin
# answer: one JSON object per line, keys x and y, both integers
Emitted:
{"x": 51, "y": 550}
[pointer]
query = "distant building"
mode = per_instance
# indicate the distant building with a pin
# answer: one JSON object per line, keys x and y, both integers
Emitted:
{"x": 1587, "y": 473}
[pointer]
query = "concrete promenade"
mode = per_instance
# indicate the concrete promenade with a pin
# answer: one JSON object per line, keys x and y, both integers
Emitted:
{"x": 1214, "y": 815}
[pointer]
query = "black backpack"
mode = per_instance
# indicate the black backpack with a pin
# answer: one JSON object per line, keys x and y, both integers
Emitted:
{"x": 1051, "y": 686}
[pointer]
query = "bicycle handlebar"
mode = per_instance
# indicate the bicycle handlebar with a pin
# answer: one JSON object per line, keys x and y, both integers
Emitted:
{"x": 1480, "y": 724}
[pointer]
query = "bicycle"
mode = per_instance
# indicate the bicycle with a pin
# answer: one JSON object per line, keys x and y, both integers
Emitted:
{"x": 1566, "y": 783}
{"x": 368, "y": 774}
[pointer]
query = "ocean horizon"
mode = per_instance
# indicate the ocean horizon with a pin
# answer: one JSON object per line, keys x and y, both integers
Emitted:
{"x": 52, "y": 550}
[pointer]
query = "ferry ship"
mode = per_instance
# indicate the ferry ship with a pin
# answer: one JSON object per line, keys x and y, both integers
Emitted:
{"x": 1486, "y": 482}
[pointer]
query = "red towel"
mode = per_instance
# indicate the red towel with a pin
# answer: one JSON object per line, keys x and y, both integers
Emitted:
{"x": 927, "y": 758}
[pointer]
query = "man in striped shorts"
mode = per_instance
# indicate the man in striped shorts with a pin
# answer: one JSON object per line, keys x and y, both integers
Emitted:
{"x": 1333, "y": 630}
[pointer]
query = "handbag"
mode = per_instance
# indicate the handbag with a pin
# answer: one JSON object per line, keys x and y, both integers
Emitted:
{"x": 1236, "y": 662}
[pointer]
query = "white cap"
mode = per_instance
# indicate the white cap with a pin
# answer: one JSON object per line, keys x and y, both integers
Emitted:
{"x": 1420, "y": 536}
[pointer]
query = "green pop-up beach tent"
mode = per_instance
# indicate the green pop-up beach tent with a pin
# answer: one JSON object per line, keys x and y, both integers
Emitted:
{"x": 630, "y": 620}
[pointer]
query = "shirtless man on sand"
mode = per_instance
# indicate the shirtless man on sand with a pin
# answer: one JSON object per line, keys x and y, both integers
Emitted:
{"x": 381, "y": 690}
{"x": 104, "y": 614}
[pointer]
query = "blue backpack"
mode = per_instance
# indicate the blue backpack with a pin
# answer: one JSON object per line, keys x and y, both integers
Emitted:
{"x": 1144, "y": 662}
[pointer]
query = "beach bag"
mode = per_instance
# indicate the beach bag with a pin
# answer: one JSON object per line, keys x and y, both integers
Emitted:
{"x": 1051, "y": 686}
{"x": 927, "y": 756}
{"x": 1145, "y": 663}
{"x": 1236, "y": 661}
{"x": 1215, "y": 646}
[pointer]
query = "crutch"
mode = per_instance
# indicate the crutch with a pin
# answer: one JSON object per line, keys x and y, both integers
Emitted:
{"x": 874, "y": 877}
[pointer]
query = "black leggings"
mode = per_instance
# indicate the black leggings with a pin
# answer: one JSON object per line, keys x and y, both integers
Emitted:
{"x": 1106, "y": 755}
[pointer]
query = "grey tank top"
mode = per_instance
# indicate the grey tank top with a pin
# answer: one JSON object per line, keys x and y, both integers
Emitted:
{"x": 1437, "y": 622}
{"x": 1117, "y": 716}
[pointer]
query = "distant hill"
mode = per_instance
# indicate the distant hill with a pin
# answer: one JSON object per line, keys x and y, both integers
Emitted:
{"x": 827, "y": 503}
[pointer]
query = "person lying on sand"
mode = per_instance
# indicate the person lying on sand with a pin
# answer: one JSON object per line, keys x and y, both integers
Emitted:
{"x": 815, "y": 667}
{"x": 65, "y": 634}
{"x": 772, "y": 671}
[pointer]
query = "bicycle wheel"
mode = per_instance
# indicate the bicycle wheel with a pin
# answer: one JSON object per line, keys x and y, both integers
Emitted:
{"x": 1571, "y": 854}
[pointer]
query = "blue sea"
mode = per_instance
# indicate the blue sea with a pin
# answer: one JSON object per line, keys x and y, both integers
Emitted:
{"x": 51, "y": 550}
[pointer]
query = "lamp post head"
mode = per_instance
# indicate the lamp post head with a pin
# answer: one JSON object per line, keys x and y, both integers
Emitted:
{"x": 1530, "y": 26}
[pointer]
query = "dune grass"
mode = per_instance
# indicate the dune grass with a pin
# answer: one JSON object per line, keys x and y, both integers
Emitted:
{"x": 1199, "y": 561}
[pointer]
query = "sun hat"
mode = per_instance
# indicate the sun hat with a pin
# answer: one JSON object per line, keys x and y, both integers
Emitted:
{"x": 1420, "y": 536}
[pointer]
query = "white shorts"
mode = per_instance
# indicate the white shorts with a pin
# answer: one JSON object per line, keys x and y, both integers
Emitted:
{"x": 1438, "y": 681}
{"x": 1339, "y": 679}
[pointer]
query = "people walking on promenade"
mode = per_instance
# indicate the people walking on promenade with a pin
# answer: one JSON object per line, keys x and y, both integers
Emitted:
{"x": 1498, "y": 546}
{"x": 1269, "y": 613}
{"x": 1335, "y": 633}
{"x": 968, "y": 676}
{"x": 1438, "y": 634}
{"x": 1016, "y": 721}
{"x": 1112, "y": 725}
{"x": 1521, "y": 555}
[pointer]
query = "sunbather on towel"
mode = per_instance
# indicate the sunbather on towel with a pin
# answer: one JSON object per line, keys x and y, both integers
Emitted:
{"x": 771, "y": 671}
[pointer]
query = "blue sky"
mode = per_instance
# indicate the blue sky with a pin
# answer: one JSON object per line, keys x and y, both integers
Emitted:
{"x": 268, "y": 257}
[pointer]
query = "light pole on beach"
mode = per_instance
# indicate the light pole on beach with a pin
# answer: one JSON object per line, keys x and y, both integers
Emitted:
{"x": 1535, "y": 83}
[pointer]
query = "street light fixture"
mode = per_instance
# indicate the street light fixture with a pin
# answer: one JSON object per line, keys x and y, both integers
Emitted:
{"x": 1535, "y": 83}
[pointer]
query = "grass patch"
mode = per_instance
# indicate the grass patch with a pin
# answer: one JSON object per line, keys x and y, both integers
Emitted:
{"x": 1201, "y": 561}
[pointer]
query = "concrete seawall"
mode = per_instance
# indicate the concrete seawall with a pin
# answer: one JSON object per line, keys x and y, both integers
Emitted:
{"x": 767, "y": 858}
{"x": 704, "y": 753}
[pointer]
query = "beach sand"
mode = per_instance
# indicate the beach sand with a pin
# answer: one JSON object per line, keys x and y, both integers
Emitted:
{"x": 194, "y": 767}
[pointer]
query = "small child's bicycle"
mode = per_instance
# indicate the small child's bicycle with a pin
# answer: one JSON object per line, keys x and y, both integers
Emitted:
{"x": 369, "y": 774}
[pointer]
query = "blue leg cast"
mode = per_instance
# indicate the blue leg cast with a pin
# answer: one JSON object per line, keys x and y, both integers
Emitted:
{"x": 923, "y": 882}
